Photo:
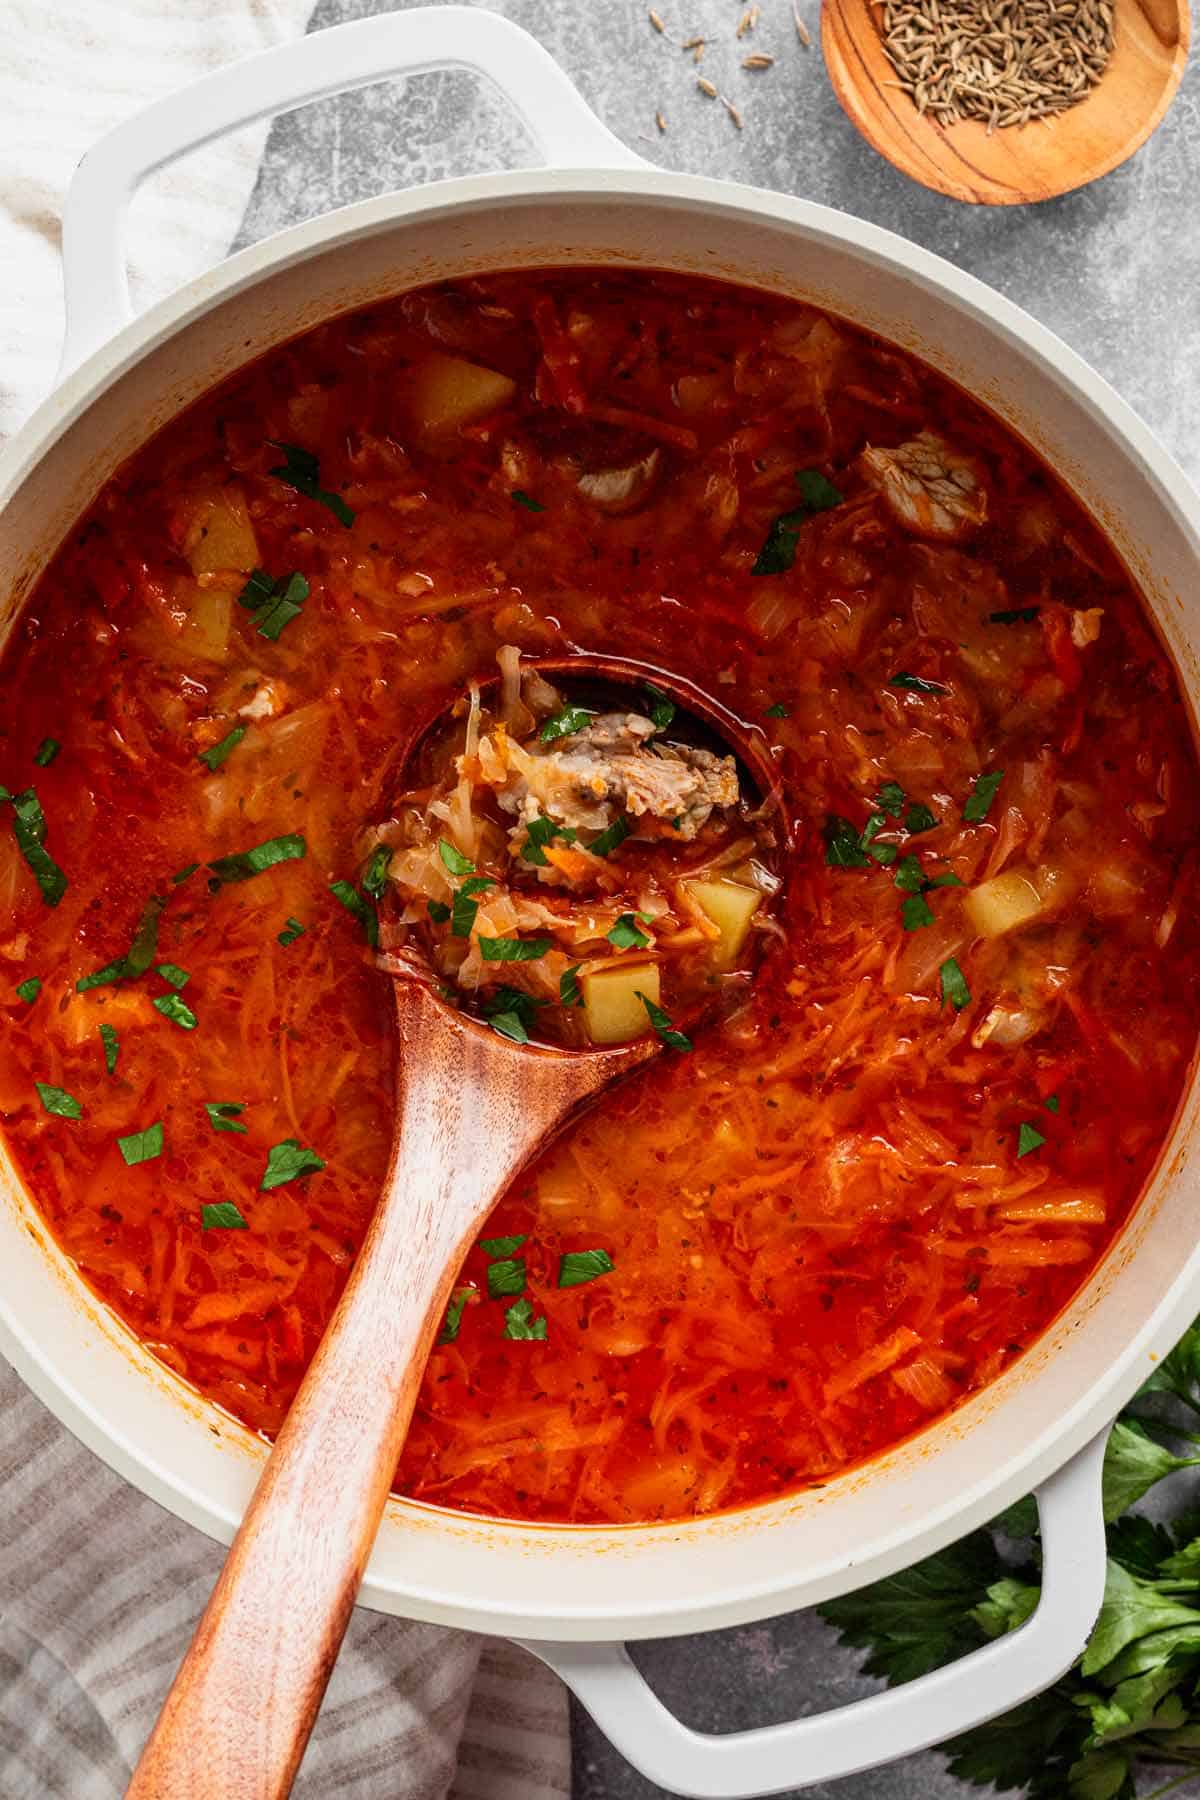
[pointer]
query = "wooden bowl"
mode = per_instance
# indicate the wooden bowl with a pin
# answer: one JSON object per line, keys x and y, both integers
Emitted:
{"x": 1017, "y": 164}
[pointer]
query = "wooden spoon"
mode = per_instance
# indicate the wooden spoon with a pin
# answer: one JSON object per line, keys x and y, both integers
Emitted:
{"x": 472, "y": 1108}
{"x": 1012, "y": 166}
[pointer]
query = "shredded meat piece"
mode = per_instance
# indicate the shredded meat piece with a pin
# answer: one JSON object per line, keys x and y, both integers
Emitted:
{"x": 931, "y": 488}
{"x": 609, "y": 767}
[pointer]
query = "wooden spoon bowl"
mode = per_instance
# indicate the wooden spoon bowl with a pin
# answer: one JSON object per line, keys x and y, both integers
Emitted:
{"x": 1015, "y": 165}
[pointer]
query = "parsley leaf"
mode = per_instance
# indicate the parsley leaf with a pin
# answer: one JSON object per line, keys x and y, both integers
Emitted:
{"x": 57, "y": 1100}
{"x": 216, "y": 754}
{"x": 916, "y": 684}
{"x": 778, "y": 711}
{"x": 578, "y": 1266}
{"x": 1051, "y": 1103}
{"x": 224, "y": 1216}
{"x": 438, "y": 911}
{"x": 177, "y": 1010}
{"x": 46, "y": 752}
{"x": 919, "y": 819}
{"x": 502, "y": 1246}
{"x": 245, "y": 863}
{"x": 173, "y": 975}
{"x": 506, "y": 1277}
{"x": 1029, "y": 1138}
{"x": 29, "y": 989}
{"x": 661, "y": 709}
{"x": 507, "y": 949}
{"x": 453, "y": 1319}
{"x": 286, "y": 603}
{"x": 569, "y": 990}
{"x": 257, "y": 591}
{"x": 511, "y": 1011}
{"x": 184, "y": 873}
{"x": 523, "y": 499}
{"x": 29, "y": 829}
{"x": 374, "y": 877}
{"x": 625, "y": 934}
{"x": 881, "y": 853}
{"x": 141, "y": 1146}
{"x": 611, "y": 838}
{"x": 361, "y": 909}
{"x": 538, "y": 833}
{"x": 302, "y": 470}
{"x": 843, "y": 846}
{"x": 291, "y": 931}
{"x": 890, "y": 799}
{"x": 137, "y": 958}
{"x": 661, "y": 1021}
{"x": 779, "y": 547}
{"x": 981, "y": 796}
{"x": 223, "y": 1115}
{"x": 908, "y": 877}
{"x": 954, "y": 985}
{"x": 1015, "y": 615}
{"x": 453, "y": 858}
{"x": 112, "y": 1047}
{"x": 520, "y": 1324}
{"x": 564, "y": 723}
{"x": 916, "y": 912}
{"x": 288, "y": 1160}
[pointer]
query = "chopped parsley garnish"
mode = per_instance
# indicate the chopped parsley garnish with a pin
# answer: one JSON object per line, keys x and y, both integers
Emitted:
{"x": 142, "y": 1146}
{"x": 506, "y": 1277}
{"x": 661, "y": 709}
{"x": 374, "y": 877}
{"x": 29, "y": 829}
{"x": 916, "y": 684}
{"x": 112, "y": 1047}
{"x": 661, "y": 1021}
{"x": 908, "y": 877}
{"x": 778, "y": 711}
{"x": 362, "y": 910}
{"x": 224, "y": 1216}
{"x": 625, "y": 934}
{"x": 291, "y": 931}
{"x": 521, "y": 498}
{"x": 57, "y": 1100}
{"x": 519, "y": 1323}
{"x": 919, "y": 818}
{"x": 466, "y": 908}
{"x": 507, "y": 949}
{"x": 947, "y": 879}
{"x": 954, "y": 985}
{"x": 257, "y": 591}
{"x": 981, "y": 796}
{"x": 177, "y": 1010}
{"x": 916, "y": 912}
{"x": 611, "y": 838}
{"x": 245, "y": 863}
{"x": 564, "y": 723}
{"x": 29, "y": 989}
{"x": 1028, "y": 1138}
{"x": 137, "y": 958}
{"x": 173, "y": 975}
{"x": 438, "y": 911}
{"x": 46, "y": 752}
{"x": 286, "y": 603}
{"x": 286, "y": 1161}
{"x": 223, "y": 1115}
{"x": 890, "y": 799}
{"x": 1051, "y": 1103}
{"x": 302, "y": 470}
{"x": 569, "y": 991}
{"x": 538, "y": 833}
{"x": 453, "y": 1319}
{"x": 184, "y": 873}
{"x": 502, "y": 1246}
{"x": 578, "y": 1266}
{"x": 779, "y": 547}
{"x": 454, "y": 860}
{"x": 1015, "y": 615}
{"x": 510, "y": 1011}
{"x": 215, "y": 756}
{"x": 882, "y": 853}
{"x": 843, "y": 846}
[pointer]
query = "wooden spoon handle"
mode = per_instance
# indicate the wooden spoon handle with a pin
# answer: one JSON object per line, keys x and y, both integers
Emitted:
{"x": 237, "y": 1718}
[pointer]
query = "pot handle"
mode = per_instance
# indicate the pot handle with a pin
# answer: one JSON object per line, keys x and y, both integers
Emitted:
{"x": 880, "y": 1729}
{"x": 565, "y": 130}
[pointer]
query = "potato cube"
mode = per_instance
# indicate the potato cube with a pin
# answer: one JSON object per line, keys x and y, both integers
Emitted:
{"x": 220, "y": 535}
{"x": 612, "y": 1010}
{"x": 444, "y": 392}
{"x": 1003, "y": 903}
{"x": 731, "y": 906}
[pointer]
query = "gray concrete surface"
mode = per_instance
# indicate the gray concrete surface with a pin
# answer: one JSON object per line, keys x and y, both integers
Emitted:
{"x": 1114, "y": 269}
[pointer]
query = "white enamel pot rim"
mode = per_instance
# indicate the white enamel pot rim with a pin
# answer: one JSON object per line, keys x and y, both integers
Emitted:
{"x": 572, "y": 1592}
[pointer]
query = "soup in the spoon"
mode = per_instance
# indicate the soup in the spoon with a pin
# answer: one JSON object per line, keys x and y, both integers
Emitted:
{"x": 909, "y": 1131}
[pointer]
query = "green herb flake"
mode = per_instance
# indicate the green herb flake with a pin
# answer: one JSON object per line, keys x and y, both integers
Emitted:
{"x": 301, "y": 470}
{"x": 778, "y": 711}
{"x": 257, "y": 591}
{"x": 569, "y": 991}
{"x": 215, "y": 756}
{"x": 29, "y": 830}
{"x": 46, "y": 752}
{"x": 438, "y": 911}
{"x": 538, "y": 833}
{"x": 508, "y": 949}
{"x": 453, "y": 1319}
{"x": 502, "y": 1246}
{"x": 564, "y": 723}
{"x": 245, "y": 863}
{"x": 981, "y": 796}
{"x": 1051, "y": 1103}
{"x": 184, "y": 873}
{"x": 521, "y": 498}
{"x": 141, "y": 1146}
{"x": 112, "y": 1047}
{"x": 1015, "y": 615}
{"x": 224, "y": 1216}
{"x": 843, "y": 846}
{"x": 909, "y": 877}
{"x": 288, "y": 1160}
{"x": 916, "y": 912}
{"x": 661, "y": 1021}
{"x": 285, "y": 604}
{"x": 1029, "y": 1138}
{"x": 880, "y": 853}
{"x": 661, "y": 710}
{"x": 946, "y": 879}
{"x": 611, "y": 838}
{"x": 510, "y": 1011}
{"x": 348, "y": 895}
{"x": 919, "y": 818}
{"x": 173, "y": 975}
{"x": 520, "y": 1324}
{"x": 506, "y": 1277}
{"x": 137, "y": 958}
{"x": 291, "y": 931}
{"x": 57, "y": 1100}
{"x": 578, "y": 1266}
{"x": 916, "y": 684}
{"x": 374, "y": 877}
{"x": 465, "y": 909}
{"x": 177, "y": 1010}
{"x": 29, "y": 989}
{"x": 890, "y": 799}
{"x": 223, "y": 1115}
{"x": 778, "y": 553}
{"x": 625, "y": 934}
{"x": 954, "y": 985}
{"x": 453, "y": 859}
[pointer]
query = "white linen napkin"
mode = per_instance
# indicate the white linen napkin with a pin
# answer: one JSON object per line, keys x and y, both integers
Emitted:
{"x": 99, "y": 1587}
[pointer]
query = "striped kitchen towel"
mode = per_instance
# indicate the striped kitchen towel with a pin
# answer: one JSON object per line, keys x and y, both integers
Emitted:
{"x": 99, "y": 1587}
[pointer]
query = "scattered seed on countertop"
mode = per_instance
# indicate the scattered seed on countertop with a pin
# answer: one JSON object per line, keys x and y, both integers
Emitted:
{"x": 660, "y": 121}
{"x": 732, "y": 110}
{"x": 706, "y": 87}
{"x": 758, "y": 61}
{"x": 802, "y": 31}
{"x": 748, "y": 21}
{"x": 656, "y": 22}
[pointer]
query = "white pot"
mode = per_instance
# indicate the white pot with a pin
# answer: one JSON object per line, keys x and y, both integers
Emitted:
{"x": 575, "y": 1592}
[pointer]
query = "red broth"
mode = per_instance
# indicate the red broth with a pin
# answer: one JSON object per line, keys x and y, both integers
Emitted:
{"x": 870, "y": 1186}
